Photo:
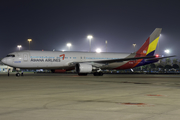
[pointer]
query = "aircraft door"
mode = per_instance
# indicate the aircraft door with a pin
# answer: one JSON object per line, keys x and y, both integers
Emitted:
{"x": 82, "y": 58}
{"x": 25, "y": 57}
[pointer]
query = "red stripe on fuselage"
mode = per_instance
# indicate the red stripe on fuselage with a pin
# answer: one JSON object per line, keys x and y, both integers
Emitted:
{"x": 129, "y": 64}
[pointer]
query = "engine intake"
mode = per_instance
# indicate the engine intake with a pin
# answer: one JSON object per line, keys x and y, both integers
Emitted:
{"x": 83, "y": 68}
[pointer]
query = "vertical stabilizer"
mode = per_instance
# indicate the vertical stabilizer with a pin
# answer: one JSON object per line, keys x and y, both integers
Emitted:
{"x": 149, "y": 47}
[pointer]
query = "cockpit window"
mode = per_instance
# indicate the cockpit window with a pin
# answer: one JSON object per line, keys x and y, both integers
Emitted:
{"x": 10, "y": 56}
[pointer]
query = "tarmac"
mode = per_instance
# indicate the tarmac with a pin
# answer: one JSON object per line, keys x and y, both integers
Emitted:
{"x": 46, "y": 96}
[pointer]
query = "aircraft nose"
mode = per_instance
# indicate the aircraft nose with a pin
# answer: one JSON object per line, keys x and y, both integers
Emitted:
{"x": 4, "y": 60}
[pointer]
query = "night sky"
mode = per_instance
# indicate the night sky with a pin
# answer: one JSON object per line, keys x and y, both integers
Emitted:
{"x": 51, "y": 24}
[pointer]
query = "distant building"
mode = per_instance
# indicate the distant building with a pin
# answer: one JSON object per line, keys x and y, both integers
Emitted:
{"x": 5, "y": 68}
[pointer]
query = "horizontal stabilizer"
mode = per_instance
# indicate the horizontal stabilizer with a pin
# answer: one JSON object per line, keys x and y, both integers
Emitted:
{"x": 158, "y": 58}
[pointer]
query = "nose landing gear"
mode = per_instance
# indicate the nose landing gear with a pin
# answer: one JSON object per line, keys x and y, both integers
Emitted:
{"x": 17, "y": 74}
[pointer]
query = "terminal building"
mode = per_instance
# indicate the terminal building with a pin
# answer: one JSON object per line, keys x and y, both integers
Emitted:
{"x": 5, "y": 68}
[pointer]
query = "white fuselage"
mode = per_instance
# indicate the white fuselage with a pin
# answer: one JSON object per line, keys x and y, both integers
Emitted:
{"x": 59, "y": 60}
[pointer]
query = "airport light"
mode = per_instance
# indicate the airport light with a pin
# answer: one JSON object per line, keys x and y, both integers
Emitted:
{"x": 106, "y": 45}
{"x": 89, "y": 37}
{"x": 69, "y": 45}
{"x": 134, "y": 47}
{"x": 98, "y": 50}
{"x": 19, "y": 46}
{"x": 167, "y": 51}
{"x": 29, "y": 40}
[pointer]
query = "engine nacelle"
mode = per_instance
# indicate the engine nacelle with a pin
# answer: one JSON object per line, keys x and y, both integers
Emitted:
{"x": 83, "y": 68}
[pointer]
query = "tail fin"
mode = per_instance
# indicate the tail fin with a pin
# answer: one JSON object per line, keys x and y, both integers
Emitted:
{"x": 149, "y": 47}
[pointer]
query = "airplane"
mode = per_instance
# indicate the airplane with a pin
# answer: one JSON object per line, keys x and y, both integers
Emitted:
{"x": 85, "y": 62}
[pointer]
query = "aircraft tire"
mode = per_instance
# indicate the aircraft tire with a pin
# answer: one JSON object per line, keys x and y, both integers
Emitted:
{"x": 101, "y": 73}
{"x": 98, "y": 74}
{"x": 82, "y": 74}
{"x": 95, "y": 73}
{"x": 17, "y": 74}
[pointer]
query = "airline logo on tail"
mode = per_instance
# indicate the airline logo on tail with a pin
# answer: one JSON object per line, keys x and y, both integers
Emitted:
{"x": 147, "y": 49}
{"x": 152, "y": 47}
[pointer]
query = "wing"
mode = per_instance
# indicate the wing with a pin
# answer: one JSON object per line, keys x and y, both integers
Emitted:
{"x": 123, "y": 59}
{"x": 100, "y": 62}
{"x": 104, "y": 62}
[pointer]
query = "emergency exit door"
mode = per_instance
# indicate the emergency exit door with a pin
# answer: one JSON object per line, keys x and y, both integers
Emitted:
{"x": 25, "y": 57}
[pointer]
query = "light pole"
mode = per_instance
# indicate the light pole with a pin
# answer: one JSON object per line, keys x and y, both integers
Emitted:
{"x": 19, "y": 46}
{"x": 89, "y": 37}
{"x": 134, "y": 47}
{"x": 106, "y": 45}
{"x": 69, "y": 45}
{"x": 29, "y": 42}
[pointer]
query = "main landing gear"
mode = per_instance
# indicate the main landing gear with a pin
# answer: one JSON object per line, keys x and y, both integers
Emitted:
{"x": 98, "y": 73}
{"x": 82, "y": 74}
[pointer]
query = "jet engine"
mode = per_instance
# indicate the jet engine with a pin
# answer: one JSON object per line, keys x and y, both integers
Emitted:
{"x": 83, "y": 68}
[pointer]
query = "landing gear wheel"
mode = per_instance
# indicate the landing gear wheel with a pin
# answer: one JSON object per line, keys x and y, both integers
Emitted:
{"x": 95, "y": 73}
{"x": 82, "y": 74}
{"x": 17, "y": 74}
{"x": 98, "y": 74}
